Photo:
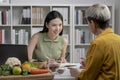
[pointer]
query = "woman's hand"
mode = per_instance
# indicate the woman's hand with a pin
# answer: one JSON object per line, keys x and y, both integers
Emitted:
{"x": 62, "y": 60}
{"x": 51, "y": 61}
{"x": 32, "y": 60}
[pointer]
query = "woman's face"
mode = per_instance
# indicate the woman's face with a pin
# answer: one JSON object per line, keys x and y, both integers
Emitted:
{"x": 55, "y": 26}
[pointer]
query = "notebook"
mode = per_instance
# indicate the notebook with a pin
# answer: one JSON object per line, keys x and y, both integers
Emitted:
{"x": 11, "y": 50}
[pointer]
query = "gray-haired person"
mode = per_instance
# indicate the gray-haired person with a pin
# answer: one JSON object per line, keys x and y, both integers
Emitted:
{"x": 103, "y": 55}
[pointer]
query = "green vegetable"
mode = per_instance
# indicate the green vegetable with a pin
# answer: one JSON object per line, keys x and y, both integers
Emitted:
{"x": 31, "y": 64}
{"x": 5, "y": 70}
{"x": 6, "y": 73}
{"x": 25, "y": 72}
{"x": 34, "y": 65}
{"x": 6, "y": 67}
{"x": 0, "y": 71}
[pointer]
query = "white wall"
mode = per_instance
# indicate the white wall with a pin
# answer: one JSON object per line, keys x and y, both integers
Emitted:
{"x": 61, "y": 1}
{"x": 117, "y": 16}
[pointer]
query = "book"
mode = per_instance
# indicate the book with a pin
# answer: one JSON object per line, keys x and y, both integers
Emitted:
{"x": 84, "y": 18}
{"x": 28, "y": 16}
{"x": 80, "y": 20}
{"x": 8, "y": 18}
{"x": 38, "y": 12}
{"x": 0, "y": 17}
{"x": 13, "y": 36}
{"x": 41, "y": 16}
{"x": 4, "y": 1}
{"x": 0, "y": 36}
{"x": 34, "y": 20}
{"x": 78, "y": 54}
{"x": 24, "y": 16}
{"x": 4, "y": 16}
{"x": 65, "y": 16}
{"x": 64, "y": 13}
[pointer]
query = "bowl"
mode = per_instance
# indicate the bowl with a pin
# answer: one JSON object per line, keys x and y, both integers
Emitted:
{"x": 60, "y": 70}
{"x": 54, "y": 66}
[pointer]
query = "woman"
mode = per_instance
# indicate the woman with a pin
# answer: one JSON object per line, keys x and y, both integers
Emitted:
{"x": 49, "y": 43}
{"x": 103, "y": 56}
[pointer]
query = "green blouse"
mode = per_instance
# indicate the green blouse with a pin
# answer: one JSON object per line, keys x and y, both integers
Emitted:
{"x": 46, "y": 47}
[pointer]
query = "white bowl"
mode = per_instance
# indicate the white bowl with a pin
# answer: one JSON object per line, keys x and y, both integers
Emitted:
{"x": 60, "y": 70}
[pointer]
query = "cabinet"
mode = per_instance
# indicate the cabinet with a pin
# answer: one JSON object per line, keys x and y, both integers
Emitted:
{"x": 20, "y": 22}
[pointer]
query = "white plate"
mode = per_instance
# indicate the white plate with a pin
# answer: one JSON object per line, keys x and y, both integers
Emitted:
{"x": 68, "y": 65}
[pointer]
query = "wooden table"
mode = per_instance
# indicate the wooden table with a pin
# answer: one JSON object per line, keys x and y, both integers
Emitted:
{"x": 45, "y": 76}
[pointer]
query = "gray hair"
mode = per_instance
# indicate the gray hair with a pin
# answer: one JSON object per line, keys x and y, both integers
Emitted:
{"x": 99, "y": 12}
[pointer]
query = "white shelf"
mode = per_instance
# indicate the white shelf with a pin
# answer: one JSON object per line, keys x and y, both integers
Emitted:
{"x": 70, "y": 26}
{"x": 81, "y": 35}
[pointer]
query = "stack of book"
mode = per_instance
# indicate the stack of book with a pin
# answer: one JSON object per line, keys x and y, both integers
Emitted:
{"x": 26, "y": 17}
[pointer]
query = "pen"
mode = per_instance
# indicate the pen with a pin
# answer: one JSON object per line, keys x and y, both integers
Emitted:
{"x": 47, "y": 57}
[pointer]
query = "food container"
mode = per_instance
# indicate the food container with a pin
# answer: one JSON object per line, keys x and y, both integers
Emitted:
{"x": 42, "y": 65}
{"x": 60, "y": 70}
{"x": 54, "y": 66}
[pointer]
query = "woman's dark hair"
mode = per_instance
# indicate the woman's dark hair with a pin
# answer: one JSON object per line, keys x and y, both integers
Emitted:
{"x": 50, "y": 16}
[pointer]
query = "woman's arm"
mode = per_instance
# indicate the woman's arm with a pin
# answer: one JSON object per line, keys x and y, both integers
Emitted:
{"x": 31, "y": 46}
{"x": 62, "y": 57}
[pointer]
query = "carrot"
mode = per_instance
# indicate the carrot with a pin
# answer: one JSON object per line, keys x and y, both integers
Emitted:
{"x": 38, "y": 71}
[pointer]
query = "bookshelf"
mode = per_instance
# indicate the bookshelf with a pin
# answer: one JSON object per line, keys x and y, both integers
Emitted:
{"x": 22, "y": 21}
{"x": 81, "y": 34}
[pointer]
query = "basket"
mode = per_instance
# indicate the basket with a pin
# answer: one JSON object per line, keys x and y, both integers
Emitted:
{"x": 41, "y": 65}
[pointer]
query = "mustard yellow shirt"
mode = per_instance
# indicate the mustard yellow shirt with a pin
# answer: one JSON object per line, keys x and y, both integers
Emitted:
{"x": 100, "y": 61}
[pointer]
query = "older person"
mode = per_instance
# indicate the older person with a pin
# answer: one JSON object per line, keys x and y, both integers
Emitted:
{"x": 103, "y": 55}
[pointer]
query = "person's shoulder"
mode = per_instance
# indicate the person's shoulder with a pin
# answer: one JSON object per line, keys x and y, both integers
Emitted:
{"x": 99, "y": 40}
{"x": 60, "y": 38}
{"x": 35, "y": 35}
{"x": 64, "y": 40}
{"x": 117, "y": 35}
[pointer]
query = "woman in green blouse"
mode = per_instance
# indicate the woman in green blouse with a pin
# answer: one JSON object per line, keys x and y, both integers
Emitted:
{"x": 49, "y": 43}
{"x": 103, "y": 55}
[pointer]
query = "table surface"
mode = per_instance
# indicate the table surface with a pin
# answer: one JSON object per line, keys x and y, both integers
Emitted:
{"x": 66, "y": 75}
{"x": 45, "y": 76}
